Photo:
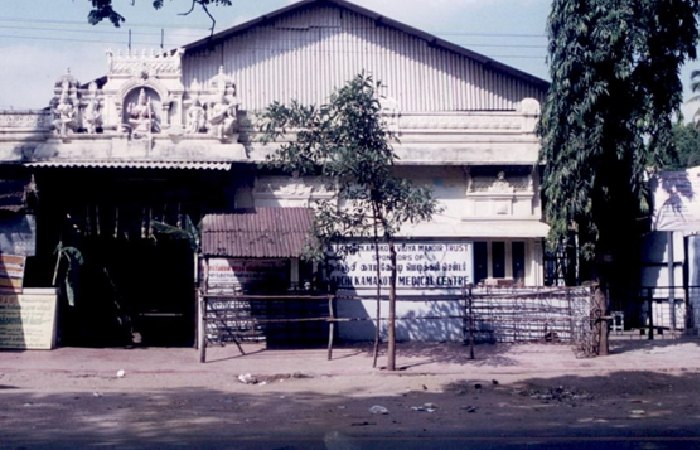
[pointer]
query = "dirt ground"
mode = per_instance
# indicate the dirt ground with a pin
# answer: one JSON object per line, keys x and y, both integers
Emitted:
{"x": 297, "y": 399}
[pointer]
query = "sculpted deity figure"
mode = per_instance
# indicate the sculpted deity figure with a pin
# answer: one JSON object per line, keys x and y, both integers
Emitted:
{"x": 195, "y": 117}
{"x": 223, "y": 108}
{"x": 142, "y": 109}
{"x": 65, "y": 111}
{"x": 500, "y": 184}
{"x": 142, "y": 116}
{"x": 92, "y": 116}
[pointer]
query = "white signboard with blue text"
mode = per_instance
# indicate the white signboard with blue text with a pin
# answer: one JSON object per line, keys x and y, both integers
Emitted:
{"x": 422, "y": 266}
{"x": 426, "y": 271}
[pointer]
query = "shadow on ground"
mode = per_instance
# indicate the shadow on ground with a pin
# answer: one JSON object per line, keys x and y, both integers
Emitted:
{"x": 623, "y": 405}
{"x": 413, "y": 355}
{"x": 628, "y": 345}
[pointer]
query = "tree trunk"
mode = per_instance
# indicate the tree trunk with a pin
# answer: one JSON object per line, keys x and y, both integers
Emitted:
{"x": 391, "y": 322}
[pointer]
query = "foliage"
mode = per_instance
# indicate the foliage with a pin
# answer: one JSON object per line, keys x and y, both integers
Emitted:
{"x": 74, "y": 261}
{"x": 686, "y": 139}
{"x": 103, "y": 9}
{"x": 188, "y": 232}
{"x": 608, "y": 115}
{"x": 346, "y": 144}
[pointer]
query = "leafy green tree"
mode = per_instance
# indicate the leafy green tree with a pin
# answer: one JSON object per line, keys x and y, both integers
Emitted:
{"x": 608, "y": 117}
{"x": 104, "y": 9}
{"x": 345, "y": 143}
{"x": 686, "y": 139}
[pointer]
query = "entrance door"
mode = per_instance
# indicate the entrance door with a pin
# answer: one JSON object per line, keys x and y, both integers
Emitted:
{"x": 481, "y": 261}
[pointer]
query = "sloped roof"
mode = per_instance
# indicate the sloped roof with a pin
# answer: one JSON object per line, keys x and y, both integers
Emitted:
{"x": 257, "y": 233}
{"x": 379, "y": 19}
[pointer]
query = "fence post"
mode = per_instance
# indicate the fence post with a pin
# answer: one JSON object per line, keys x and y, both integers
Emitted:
{"x": 471, "y": 326}
{"x": 202, "y": 328}
{"x": 650, "y": 311}
{"x": 603, "y": 321}
{"x": 570, "y": 311}
{"x": 331, "y": 327}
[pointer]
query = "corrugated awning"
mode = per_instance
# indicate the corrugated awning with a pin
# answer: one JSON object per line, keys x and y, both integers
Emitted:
{"x": 133, "y": 164}
{"x": 257, "y": 233}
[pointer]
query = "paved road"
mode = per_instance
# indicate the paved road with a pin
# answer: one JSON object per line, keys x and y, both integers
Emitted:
{"x": 534, "y": 396}
{"x": 684, "y": 439}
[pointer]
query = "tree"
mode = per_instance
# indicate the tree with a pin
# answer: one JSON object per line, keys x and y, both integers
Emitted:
{"x": 344, "y": 142}
{"x": 103, "y": 9}
{"x": 686, "y": 139}
{"x": 608, "y": 117}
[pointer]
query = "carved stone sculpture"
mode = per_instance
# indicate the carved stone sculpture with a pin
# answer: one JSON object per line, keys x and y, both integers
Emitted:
{"x": 195, "y": 117}
{"x": 65, "y": 112}
{"x": 500, "y": 185}
{"x": 92, "y": 116}
{"x": 223, "y": 107}
{"x": 142, "y": 116}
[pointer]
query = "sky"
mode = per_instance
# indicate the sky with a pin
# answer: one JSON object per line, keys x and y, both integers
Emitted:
{"x": 41, "y": 39}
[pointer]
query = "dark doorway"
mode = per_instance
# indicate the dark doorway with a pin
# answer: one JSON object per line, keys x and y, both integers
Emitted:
{"x": 127, "y": 277}
{"x": 519, "y": 262}
{"x": 129, "y": 293}
{"x": 498, "y": 256}
{"x": 481, "y": 261}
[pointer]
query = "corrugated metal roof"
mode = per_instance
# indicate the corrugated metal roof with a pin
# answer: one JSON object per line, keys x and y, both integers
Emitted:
{"x": 257, "y": 233}
{"x": 133, "y": 164}
{"x": 379, "y": 19}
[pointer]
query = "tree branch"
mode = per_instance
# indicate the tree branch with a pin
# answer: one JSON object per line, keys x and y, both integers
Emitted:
{"x": 206, "y": 10}
{"x": 213, "y": 21}
{"x": 194, "y": 3}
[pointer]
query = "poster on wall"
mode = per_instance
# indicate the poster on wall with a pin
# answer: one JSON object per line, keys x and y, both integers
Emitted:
{"x": 228, "y": 276}
{"x": 11, "y": 273}
{"x": 28, "y": 321}
{"x": 421, "y": 266}
{"x": 676, "y": 201}
{"x": 18, "y": 235}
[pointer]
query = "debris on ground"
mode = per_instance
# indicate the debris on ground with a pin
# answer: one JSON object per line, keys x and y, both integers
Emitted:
{"x": 362, "y": 424}
{"x": 247, "y": 379}
{"x": 377, "y": 409}
{"x": 427, "y": 407}
{"x": 637, "y": 413}
{"x": 556, "y": 394}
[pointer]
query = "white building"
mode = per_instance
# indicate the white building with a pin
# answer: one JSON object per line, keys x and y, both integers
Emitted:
{"x": 671, "y": 254}
{"x": 169, "y": 137}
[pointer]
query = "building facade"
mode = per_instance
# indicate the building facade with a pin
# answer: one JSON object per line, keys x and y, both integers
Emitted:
{"x": 124, "y": 163}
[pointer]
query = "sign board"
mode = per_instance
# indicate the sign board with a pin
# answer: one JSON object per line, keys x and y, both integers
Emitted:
{"x": 676, "y": 201}
{"x": 28, "y": 320}
{"x": 231, "y": 275}
{"x": 426, "y": 264}
{"x": 18, "y": 235}
{"x": 11, "y": 273}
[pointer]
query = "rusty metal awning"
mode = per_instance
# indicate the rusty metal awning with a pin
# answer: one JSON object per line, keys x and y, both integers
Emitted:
{"x": 257, "y": 233}
{"x": 133, "y": 164}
